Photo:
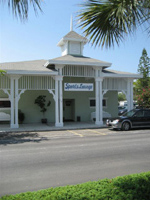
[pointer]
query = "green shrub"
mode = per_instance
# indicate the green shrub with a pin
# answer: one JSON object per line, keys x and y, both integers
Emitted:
{"x": 130, "y": 187}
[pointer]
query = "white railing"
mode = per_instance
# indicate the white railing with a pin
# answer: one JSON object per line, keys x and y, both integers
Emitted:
{"x": 114, "y": 84}
{"x": 36, "y": 83}
{"x": 4, "y": 82}
{"x": 78, "y": 71}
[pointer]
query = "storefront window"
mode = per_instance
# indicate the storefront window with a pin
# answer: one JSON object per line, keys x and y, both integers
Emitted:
{"x": 93, "y": 103}
{"x": 5, "y": 104}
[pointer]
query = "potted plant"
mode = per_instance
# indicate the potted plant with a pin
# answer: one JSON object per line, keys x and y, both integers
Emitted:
{"x": 20, "y": 116}
{"x": 41, "y": 102}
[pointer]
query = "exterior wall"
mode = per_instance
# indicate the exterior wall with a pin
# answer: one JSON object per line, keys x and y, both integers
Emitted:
{"x": 3, "y": 94}
{"x": 112, "y": 103}
{"x": 64, "y": 49}
{"x": 32, "y": 111}
{"x": 74, "y": 48}
{"x": 82, "y": 107}
{"x": 82, "y": 100}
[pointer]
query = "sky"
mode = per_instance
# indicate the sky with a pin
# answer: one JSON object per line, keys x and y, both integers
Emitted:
{"x": 37, "y": 38}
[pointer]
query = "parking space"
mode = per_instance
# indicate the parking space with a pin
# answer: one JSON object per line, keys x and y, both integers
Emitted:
{"x": 37, "y": 136}
{"x": 76, "y": 133}
{"x": 89, "y": 133}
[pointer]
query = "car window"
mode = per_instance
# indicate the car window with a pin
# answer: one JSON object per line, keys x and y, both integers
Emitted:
{"x": 139, "y": 113}
{"x": 147, "y": 113}
{"x": 130, "y": 113}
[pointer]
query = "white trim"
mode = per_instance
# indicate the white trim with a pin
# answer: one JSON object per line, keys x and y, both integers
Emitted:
{"x": 133, "y": 76}
{"x": 66, "y": 62}
{"x": 66, "y": 39}
{"x": 7, "y": 108}
{"x": 23, "y": 72}
{"x": 4, "y": 99}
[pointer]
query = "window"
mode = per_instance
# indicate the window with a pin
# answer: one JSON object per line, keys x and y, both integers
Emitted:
{"x": 104, "y": 102}
{"x": 4, "y": 103}
{"x": 93, "y": 103}
{"x": 147, "y": 113}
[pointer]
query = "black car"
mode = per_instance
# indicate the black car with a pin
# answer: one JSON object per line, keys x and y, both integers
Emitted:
{"x": 122, "y": 110}
{"x": 135, "y": 118}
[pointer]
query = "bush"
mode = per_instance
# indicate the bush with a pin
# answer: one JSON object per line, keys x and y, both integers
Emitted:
{"x": 143, "y": 99}
{"x": 131, "y": 187}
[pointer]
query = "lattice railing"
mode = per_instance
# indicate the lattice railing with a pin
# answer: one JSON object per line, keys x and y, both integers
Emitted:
{"x": 78, "y": 71}
{"x": 36, "y": 82}
{"x": 114, "y": 84}
{"x": 4, "y": 82}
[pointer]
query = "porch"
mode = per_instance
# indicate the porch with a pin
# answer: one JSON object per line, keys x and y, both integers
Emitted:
{"x": 49, "y": 127}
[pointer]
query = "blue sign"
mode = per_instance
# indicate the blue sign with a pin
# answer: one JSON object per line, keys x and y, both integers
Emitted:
{"x": 78, "y": 87}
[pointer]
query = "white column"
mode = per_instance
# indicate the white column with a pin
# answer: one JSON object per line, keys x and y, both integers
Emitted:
{"x": 99, "y": 103}
{"x": 61, "y": 101}
{"x": 14, "y": 98}
{"x": 12, "y": 125}
{"x": 58, "y": 102}
{"x": 16, "y": 103}
{"x": 130, "y": 94}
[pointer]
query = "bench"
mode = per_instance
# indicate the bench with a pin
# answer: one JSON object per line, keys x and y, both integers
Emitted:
{"x": 105, "y": 115}
{"x": 4, "y": 116}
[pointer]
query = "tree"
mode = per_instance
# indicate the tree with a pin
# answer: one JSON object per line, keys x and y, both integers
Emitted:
{"x": 41, "y": 102}
{"x": 107, "y": 22}
{"x": 142, "y": 86}
{"x": 121, "y": 97}
{"x": 20, "y": 8}
{"x": 143, "y": 99}
{"x": 2, "y": 72}
{"x": 144, "y": 69}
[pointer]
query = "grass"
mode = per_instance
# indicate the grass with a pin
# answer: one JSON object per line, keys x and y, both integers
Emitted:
{"x": 130, "y": 187}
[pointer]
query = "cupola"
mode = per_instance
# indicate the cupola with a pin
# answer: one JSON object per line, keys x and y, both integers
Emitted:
{"x": 72, "y": 43}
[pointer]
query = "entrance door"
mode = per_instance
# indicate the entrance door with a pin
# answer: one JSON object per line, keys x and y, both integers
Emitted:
{"x": 68, "y": 109}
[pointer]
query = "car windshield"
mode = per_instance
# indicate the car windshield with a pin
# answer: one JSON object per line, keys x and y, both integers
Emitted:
{"x": 129, "y": 113}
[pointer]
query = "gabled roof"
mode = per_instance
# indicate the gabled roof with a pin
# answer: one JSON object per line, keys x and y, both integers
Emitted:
{"x": 72, "y": 36}
{"x": 78, "y": 60}
{"x": 119, "y": 74}
{"x": 27, "y": 67}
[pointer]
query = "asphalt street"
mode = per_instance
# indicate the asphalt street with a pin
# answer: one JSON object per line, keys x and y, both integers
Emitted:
{"x": 33, "y": 161}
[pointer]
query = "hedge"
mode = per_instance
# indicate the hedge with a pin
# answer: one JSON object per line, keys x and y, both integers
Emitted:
{"x": 130, "y": 187}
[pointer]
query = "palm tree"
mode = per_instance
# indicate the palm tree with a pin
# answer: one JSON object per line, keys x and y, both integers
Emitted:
{"x": 2, "y": 72}
{"x": 107, "y": 22}
{"x": 20, "y": 8}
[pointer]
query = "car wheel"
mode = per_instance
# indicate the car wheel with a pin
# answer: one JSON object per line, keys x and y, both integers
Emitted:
{"x": 125, "y": 126}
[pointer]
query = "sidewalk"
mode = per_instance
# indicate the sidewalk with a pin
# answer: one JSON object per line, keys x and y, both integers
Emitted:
{"x": 48, "y": 127}
{"x": 42, "y": 132}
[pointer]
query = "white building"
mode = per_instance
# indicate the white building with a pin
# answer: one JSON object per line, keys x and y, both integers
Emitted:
{"x": 79, "y": 88}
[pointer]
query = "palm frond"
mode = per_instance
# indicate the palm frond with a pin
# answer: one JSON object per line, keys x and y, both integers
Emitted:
{"x": 107, "y": 22}
{"x": 20, "y": 8}
{"x": 2, "y": 72}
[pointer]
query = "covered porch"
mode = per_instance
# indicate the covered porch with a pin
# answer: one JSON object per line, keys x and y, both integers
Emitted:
{"x": 5, "y": 128}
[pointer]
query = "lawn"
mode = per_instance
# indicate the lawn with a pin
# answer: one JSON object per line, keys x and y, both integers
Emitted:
{"x": 130, "y": 187}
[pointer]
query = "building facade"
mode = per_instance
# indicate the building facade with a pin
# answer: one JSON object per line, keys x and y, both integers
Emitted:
{"x": 79, "y": 88}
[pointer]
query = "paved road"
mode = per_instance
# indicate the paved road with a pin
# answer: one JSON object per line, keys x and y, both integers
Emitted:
{"x": 33, "y": 161}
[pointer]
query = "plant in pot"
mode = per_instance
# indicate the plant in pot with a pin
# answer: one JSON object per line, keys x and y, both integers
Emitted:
{"x": 41, "y": 102}
{"x": 21, "y": 116}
